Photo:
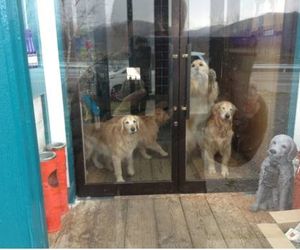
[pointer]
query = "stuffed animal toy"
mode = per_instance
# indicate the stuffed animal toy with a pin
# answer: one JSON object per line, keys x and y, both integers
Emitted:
{"x": 276, "y": 180}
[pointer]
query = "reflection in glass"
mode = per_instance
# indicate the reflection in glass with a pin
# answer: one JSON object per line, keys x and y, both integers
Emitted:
{"x": 248, "y": 45}
{"x": 120, "y": 70}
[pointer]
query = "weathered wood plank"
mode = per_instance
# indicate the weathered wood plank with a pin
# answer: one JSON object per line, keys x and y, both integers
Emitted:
{"x": 202, "y": 225}
{"x": 121, "y": 210}
{"x": 162, "y": 223}
{"x": 108, "y": 229}
{"x": 288, "y": 216}
{"x": 140, "y": 224}
{"x": 77, "y": 228}
{"x": 171, "y": 224}
{"x": 244, "y": 202}
{"x": 232, "y": 223}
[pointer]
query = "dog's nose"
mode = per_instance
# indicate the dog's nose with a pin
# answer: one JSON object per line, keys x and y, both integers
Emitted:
{"x": 227, "y": 116}
{"x": 132, "y": 129}
{"x": 272, "y": 151}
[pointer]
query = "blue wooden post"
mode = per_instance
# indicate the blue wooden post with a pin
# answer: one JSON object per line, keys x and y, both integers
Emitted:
{"x": 294, "y": 85}
{"x": 22, "y": 220}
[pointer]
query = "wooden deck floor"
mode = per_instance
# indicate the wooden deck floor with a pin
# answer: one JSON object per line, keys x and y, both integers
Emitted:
{"x": 163, "y": 221}
{"x": 159, "y": 169}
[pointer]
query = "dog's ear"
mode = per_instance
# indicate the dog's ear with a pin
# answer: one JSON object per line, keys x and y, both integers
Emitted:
{"x": 234, "y": 108}
{"x": 122, "y": 123}
{"x": 137, "y": 122}
{"x": 216, "y": 108}
{"x": 293, "y": 151}
{"x": 271, "y": 142}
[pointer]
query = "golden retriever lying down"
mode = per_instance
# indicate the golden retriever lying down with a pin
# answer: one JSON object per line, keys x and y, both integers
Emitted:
{"x": 116, "y": 140}
{"x": 149, "y": 127}
{"x": 218, "y": 135}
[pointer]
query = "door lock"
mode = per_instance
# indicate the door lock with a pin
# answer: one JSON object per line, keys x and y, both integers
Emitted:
{"x": 175, "y": 124}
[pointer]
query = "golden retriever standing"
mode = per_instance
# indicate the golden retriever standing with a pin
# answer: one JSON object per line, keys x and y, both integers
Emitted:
{"x": 149, "y": 127}
{"x": 218, "y": 135}
{"x": 203, "y": 93}
{"x": 115, "y": 140}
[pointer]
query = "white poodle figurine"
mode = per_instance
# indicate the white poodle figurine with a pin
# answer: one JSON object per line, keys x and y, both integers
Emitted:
{"x": 276, "y": 178}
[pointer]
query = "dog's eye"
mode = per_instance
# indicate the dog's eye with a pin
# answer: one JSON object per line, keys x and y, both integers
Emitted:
{"x": 274, "y": 142}
{"x": 283, "y": 146}
{"x": 134, "y": 121}
{"x": 127, "y": 122}
{"x": 193, "y": 65}
{"x": 223, "y": 108}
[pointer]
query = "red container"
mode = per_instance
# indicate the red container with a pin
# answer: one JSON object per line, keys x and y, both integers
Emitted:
{"x": 51, "y": 191}
{"x": 296, "y": 196}
{"x": 59, "y": 149}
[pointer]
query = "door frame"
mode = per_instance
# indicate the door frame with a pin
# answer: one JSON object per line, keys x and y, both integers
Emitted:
{"x": 84, "y": 189}
{"x": 180, "y": 64}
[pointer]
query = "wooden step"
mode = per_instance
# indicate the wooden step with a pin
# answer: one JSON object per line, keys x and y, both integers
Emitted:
{"x": 275, "y": 236}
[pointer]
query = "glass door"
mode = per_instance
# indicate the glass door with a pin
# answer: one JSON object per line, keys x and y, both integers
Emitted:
{"x": 123, "y": 87}
{"x": 178, "y": 95}
{"x": 239, "y": 63}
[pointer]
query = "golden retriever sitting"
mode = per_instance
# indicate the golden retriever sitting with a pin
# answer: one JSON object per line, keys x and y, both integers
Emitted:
{"x": 149, "y": 127}
{"x": 203, "y": 93}
{"x": 115, "y": 140}
{"x": 218, "y": 135}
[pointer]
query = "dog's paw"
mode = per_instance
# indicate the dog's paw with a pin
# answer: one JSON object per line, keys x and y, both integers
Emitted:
{"x": 120, "y": 179}
{"x": 164, "y": 154}
{"x": 130, "y": 172}
{"x": 99, "y": 165}
{"x": 212, "y": 75}
{"x": 212, "y": 170}
{"x": 225, "y": 172}
{"x": 146, "y": 156}
{"x": 254, "y": 208}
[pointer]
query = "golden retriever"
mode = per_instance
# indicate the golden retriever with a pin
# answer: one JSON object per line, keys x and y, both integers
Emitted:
{"x": 116, "y": 140}
{"x": 218, "y": 135}
{"x": 203, "y": 93}
{"x": 149, "y": 127}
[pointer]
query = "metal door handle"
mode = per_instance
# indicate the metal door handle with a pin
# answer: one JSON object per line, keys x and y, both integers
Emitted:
{"x": 188, "y": 79}
{"x": 175, "y": 124}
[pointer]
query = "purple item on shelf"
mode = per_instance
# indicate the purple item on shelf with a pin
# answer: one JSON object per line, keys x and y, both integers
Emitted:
{"x": 31, "y": 51}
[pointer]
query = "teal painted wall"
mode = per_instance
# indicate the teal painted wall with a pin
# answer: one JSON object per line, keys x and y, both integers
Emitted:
{"x": 22, "y": 222}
